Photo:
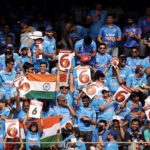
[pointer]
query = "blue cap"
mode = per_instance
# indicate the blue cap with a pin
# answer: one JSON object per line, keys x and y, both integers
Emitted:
{"x": 49, "y": 28}
{"x": 113, "y": 133}
{"x": 25, "y": 21}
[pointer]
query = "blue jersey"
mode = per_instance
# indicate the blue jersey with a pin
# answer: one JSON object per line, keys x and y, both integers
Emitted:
{"x": 146, "y": 62}
{"x": 112, "y": 146}
{"x": 109, "y": 112}
{"x": 85, "y": 49}
{"x": 133, "y": 62}
{"x": 131, "y": 41}
{"x": 109, "y": 33}
{"x": 4, "y": 112}
{"x": 137, "y": 82}
{"x": 130, "y": 105}
{"x": 125, "y": 72}
{"x": 88, "y": 112}
{"x": 21, "y": 115}
{"x": 2, "y": 136}
{"x": 33, "y": 139}
{"x": 102, "y": 61}
{"x": 144, "y": 24}
{"x": 79, "y": 33}
{"x": 24, "y": 59}
{"x": 97, "y": 21}
{"x": 36, "y": 62}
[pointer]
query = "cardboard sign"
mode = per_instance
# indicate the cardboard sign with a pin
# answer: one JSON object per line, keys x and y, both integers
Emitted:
{"x": 122, "y": 94}
{"x": 64, "y": 60}
{"x": 35, "y": 109}
{"x": 92, "y": 89}
{"x": 12, "y": 128}
{"x": 38, "y": 55}
{"x": 83, "y": 75}
{"x": 22, "y": 84}
{"x": 147, "y": 112}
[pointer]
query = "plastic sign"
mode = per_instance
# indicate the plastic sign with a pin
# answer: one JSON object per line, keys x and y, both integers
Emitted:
{"x": 35, "y": 109}
{"x": 83, "y": 76}
{"x": 12, "y": 128}
{"x": 64, "y": 59}
{"x": 122, "y": 94}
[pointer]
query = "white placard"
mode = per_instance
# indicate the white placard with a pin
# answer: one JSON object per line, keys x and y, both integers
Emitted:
{"x": 114, "y": 61}
{"x": 35, "y": 109}
{"x": 64, "y": 60}
{"x": 92, "y": 89}
{"x": 147, "y": 112}
{"x": 12, "y": 128}
{"x": 83, "y": 76}
{"x": 122, "y": 94}
{"x": 22, "y": 84}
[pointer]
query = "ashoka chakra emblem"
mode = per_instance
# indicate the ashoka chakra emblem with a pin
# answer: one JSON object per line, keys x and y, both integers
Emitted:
{"x": 46, "y": 86}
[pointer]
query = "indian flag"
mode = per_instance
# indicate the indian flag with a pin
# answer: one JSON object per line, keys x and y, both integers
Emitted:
{"x": 42, "y": 86}
{"x": 50, "y": 127}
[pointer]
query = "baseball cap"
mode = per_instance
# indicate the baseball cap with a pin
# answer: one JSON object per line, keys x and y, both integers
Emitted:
{"x": 64, "y": 84}
{"x": 113, "y": 133}
{"x": 24, "y": 20}
{"x": 122, "y": 56}
{"x": 49, "y": 28}
{"x": 116, "y": 118}
{"x": 84, "y": 58}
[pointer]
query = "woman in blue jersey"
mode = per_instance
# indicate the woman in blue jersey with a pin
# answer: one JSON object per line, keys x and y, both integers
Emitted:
{"x": 33, "y": 133}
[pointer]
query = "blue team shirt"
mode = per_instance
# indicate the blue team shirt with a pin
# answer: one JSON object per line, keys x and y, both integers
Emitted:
{"x": 137, "y": 82}
{"x": 133, "y": 62}
{"x": 102, "y": 61}
{"x": 109, "y": 112}
{"x": 146, "y": 62}
{"x": 110, "y": 32}
{"x": 36, "y": 62}
{"x": 32, "y": 137}
{"x": 112, "y": 146}
{"x": 131, "y": 41}
{"x": 82, "y": 111}
{"x": 130, "y": 104}
{"x": 144, "y": 24}
{"x": 85, "y": 49}
{"x": 24, "y": 59}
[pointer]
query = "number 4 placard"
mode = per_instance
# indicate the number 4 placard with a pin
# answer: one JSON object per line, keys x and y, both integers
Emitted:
{"x": 35, "y": 109}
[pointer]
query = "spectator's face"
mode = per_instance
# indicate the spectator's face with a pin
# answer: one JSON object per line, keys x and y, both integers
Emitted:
{"x": 122, "y": 61}
{"x": 24, "y": 52}
{"x": 2, "y": 105}
{"x": 110, "y": 19}
{"x": 64, "y": 89}
{"x": 85, "y": 102}
{"x": 10, "y": 65}
{"x": 102, "y": 124}
{"x": 33, "y": 128}
{"x": 135, "y": 125}
{"x": 8, "y": 56}
{"x": 31, "y": 70}
{"x": 134, "y": 53}
{"x": 43, "y": 68}
{"x": 136, "y": 99}
{"x": 9, "y": 40}
{"x": 6, "y": 29}
{"x": 26, "y": 106}
{"x": 101, "y": 80}
{"x": 102, "y": 49}
{"x": 116, "y": 123}
{"x": 62, "y": 102}
{"x": 50, "y": 34}
{"x": 38, "y": 41}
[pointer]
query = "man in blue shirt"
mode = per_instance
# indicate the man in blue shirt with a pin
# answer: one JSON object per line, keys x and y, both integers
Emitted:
{"x": 85, "y": 46}
{"x": 102, "y": 59}
{"x": 131, "y": 35}
{"x": 7, "y": 77}
{"x": 111, "y": 35}
{"x": 41, "y": 50}
{"x": 86, "y": 118}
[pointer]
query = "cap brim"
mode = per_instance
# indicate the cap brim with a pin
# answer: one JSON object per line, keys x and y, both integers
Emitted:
{"x": 36, "y": 37}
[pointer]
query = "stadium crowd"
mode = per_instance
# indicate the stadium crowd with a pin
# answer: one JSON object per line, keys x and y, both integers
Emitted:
{"x": 98, "y": 123}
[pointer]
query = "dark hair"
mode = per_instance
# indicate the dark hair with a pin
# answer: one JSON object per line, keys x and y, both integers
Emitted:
{"x": 35, "y": 147}
{"x": 103, "y": 121}
{"x": 102, "y": 44}
{"x": 110, "y": 14}
{"x": 135, "y": 120}
{"x": 27, "y": 65}
{"x": 85, "y": 97}
{"x": 43, "y": 63}
{"x": 98, "y": 74}
{"x": 33, "y": 124}
{"x": 9, "y": 60}
{"x": 87, "y": 40}
{"x": 135, "y": 47}
{"x": 134, "y": 94}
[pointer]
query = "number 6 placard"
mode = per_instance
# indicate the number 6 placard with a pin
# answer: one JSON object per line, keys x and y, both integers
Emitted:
{"x": 64, "y": 60}
{"x": 84, "y": 76}
{"x": 122, "y": 94}
{"x": 35, "y": 109}
{"x": 12, "y": 128}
